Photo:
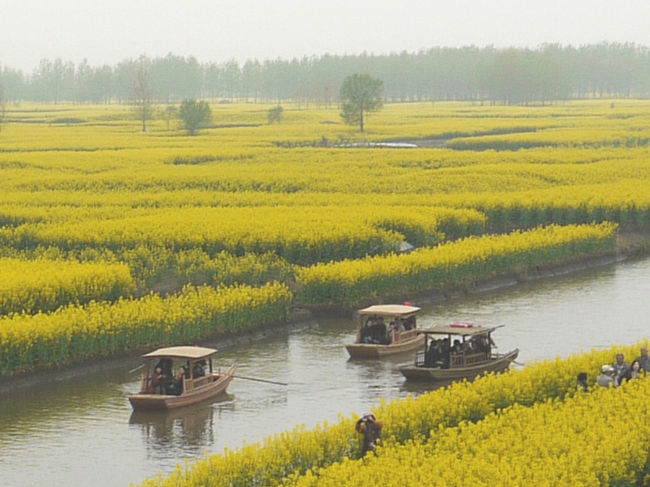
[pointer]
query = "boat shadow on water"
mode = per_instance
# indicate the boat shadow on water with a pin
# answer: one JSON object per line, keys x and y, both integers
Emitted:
{"x": 193, "y": 425}
{"x": 417, "y": 388}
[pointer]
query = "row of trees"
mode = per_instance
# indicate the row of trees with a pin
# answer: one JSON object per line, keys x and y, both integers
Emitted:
{"x": 360, "y": 94}
{"x": 552, "y": 72}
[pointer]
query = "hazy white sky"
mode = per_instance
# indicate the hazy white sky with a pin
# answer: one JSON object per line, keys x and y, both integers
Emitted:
{"x": 107, "y": 31}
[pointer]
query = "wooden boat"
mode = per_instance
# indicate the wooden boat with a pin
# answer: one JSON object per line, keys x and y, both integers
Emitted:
{"x": 193, "y": 384}
{"x": 375, "y": 339}
{"x": 470, "y": 358}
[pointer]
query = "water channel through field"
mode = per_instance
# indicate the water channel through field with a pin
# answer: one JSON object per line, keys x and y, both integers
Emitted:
{"x": 82, "y": 431}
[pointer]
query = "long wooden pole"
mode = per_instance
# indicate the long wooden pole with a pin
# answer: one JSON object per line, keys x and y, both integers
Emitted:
{"x": 137, "y": 368}
{"x": 260, "y": 380}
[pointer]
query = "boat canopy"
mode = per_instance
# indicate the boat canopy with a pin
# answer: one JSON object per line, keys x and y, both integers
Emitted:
{"x": 469, "y": 330}
{"x": 185, "y": 352}
{"x": 394, "y": 310}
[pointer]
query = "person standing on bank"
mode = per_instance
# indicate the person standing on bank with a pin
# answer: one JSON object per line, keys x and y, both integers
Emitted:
{"x": 606, "y": 379}
{"x": 635, "y": 370}
{"x": 643, "y": 360}
{"x": 370, "y": 428}
{"x": 583, "y": 385}
{"x": 621, "y": 369}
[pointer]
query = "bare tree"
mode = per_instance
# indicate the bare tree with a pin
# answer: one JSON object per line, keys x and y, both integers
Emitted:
{"x": 143, "y": 91}
{"x": 3, "y": 105}
{"x": 169, "y": 113}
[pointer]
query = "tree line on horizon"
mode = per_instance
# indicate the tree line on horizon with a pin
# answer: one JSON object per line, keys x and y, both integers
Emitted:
{"x": 498, "y": 76}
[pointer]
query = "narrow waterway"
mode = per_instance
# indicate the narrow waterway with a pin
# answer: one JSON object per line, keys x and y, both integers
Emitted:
{"x": 82, "y": 432}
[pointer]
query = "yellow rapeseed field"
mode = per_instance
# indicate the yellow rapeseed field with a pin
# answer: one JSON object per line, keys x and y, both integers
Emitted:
{"x": 73, "y": 332}
{"x": 44, "y": 285}
{"x": 245, "y": 202}
{"x": 502, "y": 414}
{"x": 111, "y": 238}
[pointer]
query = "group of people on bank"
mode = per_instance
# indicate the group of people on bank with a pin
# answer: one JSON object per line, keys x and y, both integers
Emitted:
{"x": 621, "y": 371}
{"x": 164, "y": 381}
{"x": 611, "y": 376}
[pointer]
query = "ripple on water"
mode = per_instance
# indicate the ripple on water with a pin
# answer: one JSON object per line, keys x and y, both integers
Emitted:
{"x": 83, "y": 432}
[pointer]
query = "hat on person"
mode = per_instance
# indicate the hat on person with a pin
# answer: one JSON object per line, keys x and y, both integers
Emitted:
{"x": 607, "y": 368}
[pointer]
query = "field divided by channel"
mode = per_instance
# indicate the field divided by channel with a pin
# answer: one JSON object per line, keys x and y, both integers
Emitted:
{"x": 98, "y": 213}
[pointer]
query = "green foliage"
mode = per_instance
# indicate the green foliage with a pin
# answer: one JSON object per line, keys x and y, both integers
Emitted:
{"x": 360, "y": 93}
{"x": 169, "y": 113}
{"x": 3, "y": 105}
{"x": 496, "y": 76}
{"x": 275, "y": 114}
{"x": 96, "y": 329}
{"x": 452, "y": 265}
{"x": 142, "y": 91}
{"x": 68, "y": 120}
{"x": 191, "y": 160}
{"x": 194, "y": 115}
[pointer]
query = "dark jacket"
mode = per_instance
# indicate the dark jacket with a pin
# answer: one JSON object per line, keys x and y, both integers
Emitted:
{"x": 371, "y": 431}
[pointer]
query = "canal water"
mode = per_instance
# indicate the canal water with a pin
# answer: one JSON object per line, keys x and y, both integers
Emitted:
{"x": 82, "y": 431}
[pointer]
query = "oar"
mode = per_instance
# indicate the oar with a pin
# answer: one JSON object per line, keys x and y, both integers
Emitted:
{"x": 137, "y": 368}
{"x": 260, "y": 380}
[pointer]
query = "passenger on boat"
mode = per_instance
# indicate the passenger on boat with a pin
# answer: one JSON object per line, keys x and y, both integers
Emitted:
{"x": 175, "y": 388}
{"x": 390, "y": 334}
{"x": 410, "y": 323}
{"x": 370, "y": 428}
{"x": 400, "y": 325}
{"x": 365, "y": 332}
{"x": 484, "y": 343}
{"x": 643, "y": 360}
{"x": 445, "y": 349}
{"x": 198, "y": 369}
{"x": 185, "y": 369}
{"x": 606, "y": 378}
{"x": 378, "y": 332}
{"x": 635, "y": 370}
{"x": 621, "y": 369}
{"x": 158, "y": 381}
{"x": 583, "y": 386}
{"x": 165, "y": 365}
{"x": 432, "y": 355}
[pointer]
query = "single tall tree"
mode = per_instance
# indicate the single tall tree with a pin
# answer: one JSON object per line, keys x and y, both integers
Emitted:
{"x": 142, "y": 91}
{"x": 194, "y": 114}
{"x": 275, "y": 114}
{"x": 3, "y": 105}
{"x": 360, "y": 93}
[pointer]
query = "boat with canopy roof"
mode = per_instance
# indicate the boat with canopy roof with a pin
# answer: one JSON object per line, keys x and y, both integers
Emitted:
{"x": 181, "y": 376}
{"x": 386, "y": 329}
{"x": 469, "y": 354}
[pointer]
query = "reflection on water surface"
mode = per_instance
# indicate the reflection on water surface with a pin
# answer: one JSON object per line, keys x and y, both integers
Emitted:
{"x": 83, "y": 432}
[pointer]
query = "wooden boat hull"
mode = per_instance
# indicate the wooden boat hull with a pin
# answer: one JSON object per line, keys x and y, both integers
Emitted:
{"x": 496, "y": 364}
{"x": 151, "y": 402}
{"x": 364, "y": 350}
